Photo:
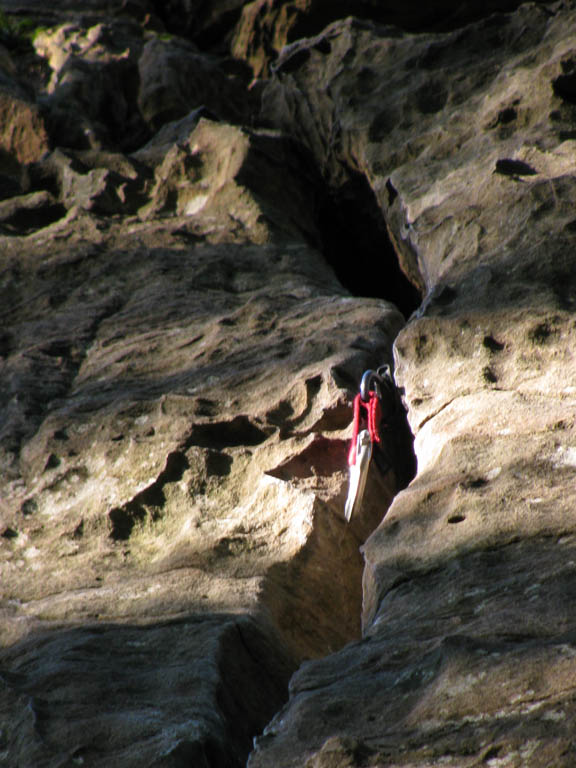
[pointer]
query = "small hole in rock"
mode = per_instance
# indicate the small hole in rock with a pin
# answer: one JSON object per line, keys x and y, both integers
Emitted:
{"x": 507, "y": 115}
{"x": 475, "y": 482}
{"x": 492, "y": 344}
{"x": 29, "y": 507}
{"x": 489, "y": 376}
{"x": 392, "y": 194}
{"x": 491, "y": 753}
{"x": 458, "y": 518}
{"x": 52, "y": 462}
{"x": 509, "y": 167}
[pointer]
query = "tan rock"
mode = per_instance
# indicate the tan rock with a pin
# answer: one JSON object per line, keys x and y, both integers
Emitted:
{"x": 467, "y": 629}
{"x": 229, "y": 181}
{"x": 175, "y": 444}
{"x": 23, "y": 136}
{"x": 91, "y": 99}
{"x": 176, "y": 368}
{"x": 263, "y": 31}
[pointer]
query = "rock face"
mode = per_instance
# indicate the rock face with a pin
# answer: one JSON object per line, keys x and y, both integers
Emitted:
{"x": 178, "y": 360}
{"x": 468, "y": 640}
{"x": 174, "y": 450}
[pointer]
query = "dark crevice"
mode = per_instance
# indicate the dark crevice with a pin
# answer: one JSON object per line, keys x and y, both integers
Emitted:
{"x": 396, "y": 450}
{"x": 509, "y": 167}
{"x": 148, "y": 502}
{"x": 357, "y": 245}
{"x": 227, "y": 434}
{"x": 214, "y": 31}
{"x": 26, "y": 219}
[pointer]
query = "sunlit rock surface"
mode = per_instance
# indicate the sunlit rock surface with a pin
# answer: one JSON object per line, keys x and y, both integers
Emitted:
{"x": 173, "y": 467}
{"x": 468, "y": 650}
{"x": 178, "y": 359}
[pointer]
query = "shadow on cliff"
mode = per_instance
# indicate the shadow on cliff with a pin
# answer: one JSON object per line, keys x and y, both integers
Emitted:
{"x": 189, "y": 691}
{"x": 475, "y": 659}
{"x": 534, "y": 283}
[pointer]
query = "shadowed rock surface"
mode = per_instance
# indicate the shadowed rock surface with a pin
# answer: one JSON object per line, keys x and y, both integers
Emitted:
{"x": 189, "y": 192}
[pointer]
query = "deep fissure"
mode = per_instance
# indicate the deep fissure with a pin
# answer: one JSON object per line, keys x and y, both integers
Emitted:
{"x": 357, "y": 246}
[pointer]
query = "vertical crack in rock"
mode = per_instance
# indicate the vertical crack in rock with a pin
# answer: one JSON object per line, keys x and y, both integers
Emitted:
{"x": 468, "y": 649}
{"x": 173, "y": 543}
{"x": 193, "y": 476}
{"x": 356, "y": 243}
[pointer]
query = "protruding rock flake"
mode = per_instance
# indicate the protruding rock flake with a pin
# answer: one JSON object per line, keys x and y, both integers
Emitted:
{"x": 214, "y": 218}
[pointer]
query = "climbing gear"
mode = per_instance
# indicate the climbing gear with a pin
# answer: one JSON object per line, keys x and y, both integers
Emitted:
{"x": 362, "y": 446}
{"x": 362, "y": 451}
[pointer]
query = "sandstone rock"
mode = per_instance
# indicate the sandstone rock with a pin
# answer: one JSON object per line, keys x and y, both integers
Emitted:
{"x": 266, "y": 26}
{"x": 173, "y": 437}
{"x": 151, "y": 694}
{"x": 177, "y": 361}
{"x": 229, "y": 180}
{"x": 411, "y": 171}
{"x": 103, "y": 182}
{"x": 175, "y": 78}
{"x": 91, "y": 98}
{"x": 262, "y": 28}
{"x": 147, "y": 420}
{"x": 466, "y": 630}
{"x": 23, "y": 136}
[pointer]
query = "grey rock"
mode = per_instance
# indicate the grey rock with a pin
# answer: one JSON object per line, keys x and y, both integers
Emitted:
{"x": 176, "y": 78}
{"x": 178, "y": 359}
{"x": 200, "y": 373}
{"x": 26, "y": 213}
{"x": 142, "y": 694}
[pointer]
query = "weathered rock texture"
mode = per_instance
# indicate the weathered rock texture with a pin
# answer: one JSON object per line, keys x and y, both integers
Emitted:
{"x": 177, "y": 362}
{"x": 466, "y": 138}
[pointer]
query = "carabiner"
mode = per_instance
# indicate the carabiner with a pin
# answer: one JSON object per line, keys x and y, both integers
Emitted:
{"x": 370, "y": 381}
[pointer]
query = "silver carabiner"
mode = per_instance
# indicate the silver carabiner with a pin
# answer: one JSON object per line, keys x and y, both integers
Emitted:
{"x": 358, "y": 473}
{"x": 374, "y": 380}
{"x": 370, "y": 381}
